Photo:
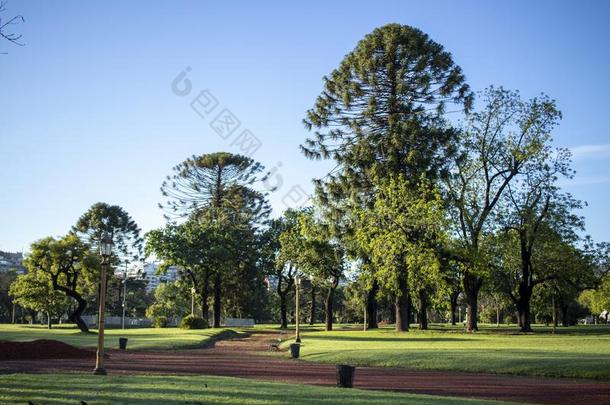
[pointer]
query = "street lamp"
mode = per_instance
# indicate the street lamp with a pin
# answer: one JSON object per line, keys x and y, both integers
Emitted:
{"x": 105, "y": 253}
{"x": 297, "y": 283}
{"x": 124, "y": 303}
{"x": 193, "y": 291}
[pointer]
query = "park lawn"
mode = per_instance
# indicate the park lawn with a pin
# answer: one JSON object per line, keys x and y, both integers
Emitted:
{"x": 579, "y": 352}
{"x": 139, "y": 338}
{"x": 73, "y": 388}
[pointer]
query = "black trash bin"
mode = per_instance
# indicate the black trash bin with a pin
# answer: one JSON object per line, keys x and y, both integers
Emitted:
{"x": 345, "y": 375}
{"x": 295, "y": 348}
{"x": 123, "y": 343}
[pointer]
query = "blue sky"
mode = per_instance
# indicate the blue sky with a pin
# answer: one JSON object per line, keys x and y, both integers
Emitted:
{"x": 87, "y": 111}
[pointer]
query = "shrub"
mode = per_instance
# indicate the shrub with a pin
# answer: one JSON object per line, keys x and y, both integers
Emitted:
{"x": 159, "y": 321}
{"x": 193, "y": 322}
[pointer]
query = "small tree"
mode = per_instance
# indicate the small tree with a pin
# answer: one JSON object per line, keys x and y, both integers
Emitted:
{"x": 35, "y": 291}
{"x": 72, "y": 268}
{"x": 306, "y": 247}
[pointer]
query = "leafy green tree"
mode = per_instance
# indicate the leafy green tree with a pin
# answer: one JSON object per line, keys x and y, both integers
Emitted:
{"x": 35, "y": 291}
{"x": 172, "y": 300}
{"x": 195, "y": 248}
{"x": 403, "y": 232}
{"x": 597, "y": 300}
{"x": 307, "y": 248}
{"x": 72, "y": 268}
{"x": 497, "y": 144}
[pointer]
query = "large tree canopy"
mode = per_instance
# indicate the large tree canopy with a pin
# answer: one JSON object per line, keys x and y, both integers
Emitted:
{"x": 216, "y": 184}
{"x": 115, "y": 221}
{"x": 498, "y": 144}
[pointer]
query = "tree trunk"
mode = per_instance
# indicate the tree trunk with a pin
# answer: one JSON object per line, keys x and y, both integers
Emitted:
{"x": 49, "y": 322}
{"x": 283, "y": 311}
{"x": 329, "y": 307}
{"x": 205, "y": 295}
{"x": 312, "y": 316}
{"x": 454, "y": 303}
{"x": 472, "y": 285}
{"x": 217, "y": 300}
{"x": 423, "y": 310}
{"x": 402, "y": 303}
{"x": 371, "y": 306}
{"x": 75, "y": 317}
{"x": 564, "y": 314}
{"x": 523, "y": 308}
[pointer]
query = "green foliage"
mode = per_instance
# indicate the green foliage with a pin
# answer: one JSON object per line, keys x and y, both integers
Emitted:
{"x": 215, "y": 184}
{"x": 159, "y": 321}
{"x": 172, "y": 300}
{"x": 34, "y": 290}
{"x": 193, "y": 322}
{"x": 597, "y": 300}
{"x": 72, "y": 267}
{"x": 115, "y": 221}
{"x": 402, "y": 233}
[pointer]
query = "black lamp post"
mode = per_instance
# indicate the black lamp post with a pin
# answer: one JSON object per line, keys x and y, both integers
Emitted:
{"x": 105, "y": 252}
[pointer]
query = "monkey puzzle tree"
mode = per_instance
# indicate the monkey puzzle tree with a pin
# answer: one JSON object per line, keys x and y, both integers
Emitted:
{"x": 380, "y": 115}
{"x": 115, "y": 221}
{"x": 496, "y": 146}
{"x": 72, "y": 268}
{"x": 217, "y": 188}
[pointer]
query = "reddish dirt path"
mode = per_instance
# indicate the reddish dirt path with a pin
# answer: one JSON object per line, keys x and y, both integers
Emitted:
{"x": 239, "y": 358}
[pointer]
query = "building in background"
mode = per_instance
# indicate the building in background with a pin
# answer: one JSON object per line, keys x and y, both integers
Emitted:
{"x": 149, "y": 273}
{"x": 10, "y": 261}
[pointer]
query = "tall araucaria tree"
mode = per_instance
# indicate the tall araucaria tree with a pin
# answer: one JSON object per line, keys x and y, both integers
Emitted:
{"x": 218, "y": 188}
{"x": 117, "y": 223}
{"x": 380, "y": 114}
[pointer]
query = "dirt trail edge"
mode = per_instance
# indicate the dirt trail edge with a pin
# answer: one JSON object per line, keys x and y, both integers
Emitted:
{"x": 243, "y": 357}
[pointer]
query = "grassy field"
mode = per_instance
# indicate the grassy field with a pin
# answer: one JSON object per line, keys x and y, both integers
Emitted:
{"x": 73, "y": 388}
{"x": 141, "y": 338}
{"x": 581, "y": 351}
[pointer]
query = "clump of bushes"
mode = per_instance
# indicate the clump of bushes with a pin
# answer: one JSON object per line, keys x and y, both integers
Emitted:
{"x": 193, "y": 322}
{"x": 159, "y": 321}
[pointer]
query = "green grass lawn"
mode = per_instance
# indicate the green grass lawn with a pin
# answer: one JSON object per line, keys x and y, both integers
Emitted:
{"x": 72, "y": 388}
{"x": 140, "y": 338}
{"x": 581, "y": 351}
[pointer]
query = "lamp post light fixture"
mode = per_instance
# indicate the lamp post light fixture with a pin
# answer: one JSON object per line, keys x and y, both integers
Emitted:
{"x": 193, "y": 291}
{"x": 124, "y": 303}
{"x": 105, "y": 252}
{"x": 297, "y": 284}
